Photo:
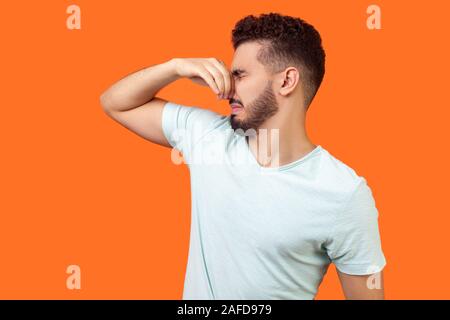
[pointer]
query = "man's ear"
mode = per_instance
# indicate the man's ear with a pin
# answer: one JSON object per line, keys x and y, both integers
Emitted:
{"x": 289, "y": 80}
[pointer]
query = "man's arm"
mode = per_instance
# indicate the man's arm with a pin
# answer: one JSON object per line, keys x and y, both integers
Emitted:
{"x": 362, "y": 287}
{"x": 131, "y": 101}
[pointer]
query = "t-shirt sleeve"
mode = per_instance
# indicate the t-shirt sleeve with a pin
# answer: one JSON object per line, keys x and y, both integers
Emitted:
{"x": 355, "y": 245}
{"x": 184, "y": 125}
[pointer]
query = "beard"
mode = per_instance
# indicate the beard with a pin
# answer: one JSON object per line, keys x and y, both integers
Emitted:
{"x": 261, "y": 109}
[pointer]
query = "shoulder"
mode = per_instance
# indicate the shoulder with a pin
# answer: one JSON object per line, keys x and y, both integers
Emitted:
{"x": 191, "y": 114}
{"x": 338, "y": 179}
{"x": 191, "y": 121}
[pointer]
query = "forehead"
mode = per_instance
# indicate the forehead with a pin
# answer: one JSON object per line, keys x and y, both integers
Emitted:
{"x": 244, "y": 58}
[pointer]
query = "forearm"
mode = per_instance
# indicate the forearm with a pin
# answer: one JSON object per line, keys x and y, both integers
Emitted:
{"x": 139, "y": 87}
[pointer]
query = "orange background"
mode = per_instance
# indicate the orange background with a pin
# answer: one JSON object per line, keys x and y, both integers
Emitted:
{"x": 77, "y": 188}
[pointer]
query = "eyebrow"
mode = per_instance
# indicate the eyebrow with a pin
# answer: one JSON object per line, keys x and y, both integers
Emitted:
{"x": 237, "y": 72}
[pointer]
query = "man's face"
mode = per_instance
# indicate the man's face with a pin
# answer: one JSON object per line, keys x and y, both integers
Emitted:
{"x": 253, "y": 89}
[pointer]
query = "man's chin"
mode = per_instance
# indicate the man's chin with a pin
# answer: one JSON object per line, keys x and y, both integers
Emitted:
{"x": 235, "y": 123}
{"x": 238, "y": 125}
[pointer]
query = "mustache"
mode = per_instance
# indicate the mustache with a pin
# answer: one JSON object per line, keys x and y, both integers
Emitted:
{"x": 232, "y": 101}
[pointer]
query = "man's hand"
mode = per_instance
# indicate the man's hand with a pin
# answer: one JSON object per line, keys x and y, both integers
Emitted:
{"x": 207, "y": 72}
{"x": 365, "y": 287}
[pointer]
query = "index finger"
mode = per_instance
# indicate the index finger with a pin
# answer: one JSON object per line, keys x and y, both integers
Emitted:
{"x": 226, "y": 75}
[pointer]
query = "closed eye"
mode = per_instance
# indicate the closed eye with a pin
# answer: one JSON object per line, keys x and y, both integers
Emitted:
{"x": 237, "y": 73}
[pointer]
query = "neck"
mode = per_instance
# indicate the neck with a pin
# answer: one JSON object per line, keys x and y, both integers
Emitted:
{"x": 283, "y": 141}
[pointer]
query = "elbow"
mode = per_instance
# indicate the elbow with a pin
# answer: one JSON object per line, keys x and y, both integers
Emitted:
{"x": 104, "y": 102}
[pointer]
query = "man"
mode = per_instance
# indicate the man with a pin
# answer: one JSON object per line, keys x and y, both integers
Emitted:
{"x": 265, "y": 225}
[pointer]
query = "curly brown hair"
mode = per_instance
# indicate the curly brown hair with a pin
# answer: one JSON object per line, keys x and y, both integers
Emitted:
{"x": 286, "y": 41}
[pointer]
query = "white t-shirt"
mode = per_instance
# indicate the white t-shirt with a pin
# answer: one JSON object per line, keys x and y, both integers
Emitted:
{"x": 268, "y": 232}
